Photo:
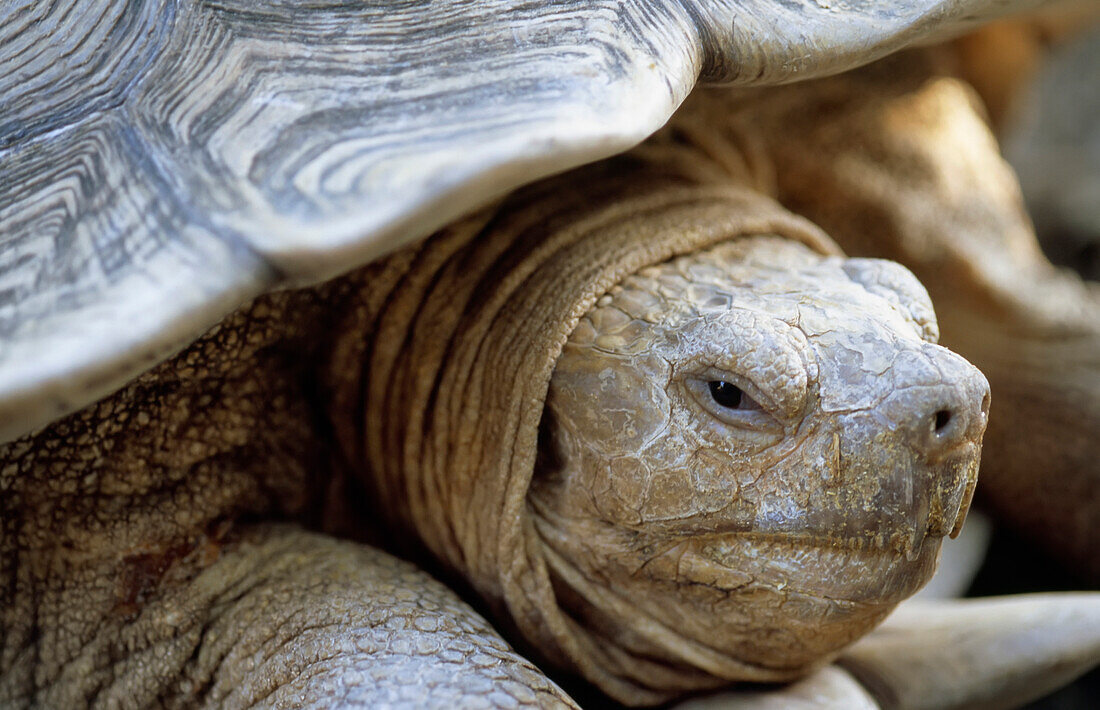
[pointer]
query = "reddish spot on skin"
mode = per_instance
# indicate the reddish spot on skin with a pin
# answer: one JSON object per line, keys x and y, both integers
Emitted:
{"x": 140, "y": 576}
{"x": 142, "y": 572}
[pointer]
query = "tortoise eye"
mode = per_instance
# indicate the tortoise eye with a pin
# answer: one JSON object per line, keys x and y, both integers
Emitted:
{"x": 732, "y": 404}
{"x": 729, "y": 396}
{"x": 725, "y": 394}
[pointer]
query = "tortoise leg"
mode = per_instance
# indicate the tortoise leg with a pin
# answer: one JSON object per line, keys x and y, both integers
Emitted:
{"x": 326, "y": 623}
{"x": 289, "y": 619}
{"x": 998, "y": 652}
{"x": 831, "y": 688}
{"x": 896, "y": 161}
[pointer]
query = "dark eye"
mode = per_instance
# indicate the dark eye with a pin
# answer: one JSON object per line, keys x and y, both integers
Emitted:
{"x": 737, "y": 405}
{"x": 726, "y": 394}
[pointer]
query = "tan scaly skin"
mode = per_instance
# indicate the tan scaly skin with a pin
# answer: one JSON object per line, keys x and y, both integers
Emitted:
{"x": 840, "y": 475}
{"x": 139, "y": 565}
{"x": 897, "y": 161}
{"x": 757, "y": 450}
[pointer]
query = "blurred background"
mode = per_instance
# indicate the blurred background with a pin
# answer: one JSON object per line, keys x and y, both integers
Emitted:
{"x": 1039, "y": 77}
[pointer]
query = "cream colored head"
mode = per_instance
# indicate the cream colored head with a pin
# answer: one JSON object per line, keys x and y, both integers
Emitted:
{"x": 751, "y": 454}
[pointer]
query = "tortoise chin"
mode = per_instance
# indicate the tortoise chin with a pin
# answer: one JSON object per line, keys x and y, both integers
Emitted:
{"x": 800, "y": 600}
{"x": 830, "y": 569}
{"x": 765, "y": 602}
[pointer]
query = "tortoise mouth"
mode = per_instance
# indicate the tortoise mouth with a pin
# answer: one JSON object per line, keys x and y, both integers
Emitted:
{"x": 835, "y": 569}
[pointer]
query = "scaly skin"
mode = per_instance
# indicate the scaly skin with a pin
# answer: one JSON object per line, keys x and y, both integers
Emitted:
{"x": 135, "y": 572}
{"x": 896, "y": 161}
{"x": 772, "y": 533}
{"x": 133, "y": 575}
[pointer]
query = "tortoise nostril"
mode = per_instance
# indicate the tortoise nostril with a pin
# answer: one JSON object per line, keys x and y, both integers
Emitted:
{"x": 945, "y": 416}
{"x": 947, "y": 428}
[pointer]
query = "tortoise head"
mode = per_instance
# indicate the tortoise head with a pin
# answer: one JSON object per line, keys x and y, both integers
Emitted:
{"x": 751, "y": 454}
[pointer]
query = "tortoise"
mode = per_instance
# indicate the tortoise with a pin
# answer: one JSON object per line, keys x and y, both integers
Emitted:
{"x": 172, "y": 434}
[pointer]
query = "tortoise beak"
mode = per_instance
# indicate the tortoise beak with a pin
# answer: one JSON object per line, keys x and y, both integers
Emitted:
{"x": 967, "y": 498}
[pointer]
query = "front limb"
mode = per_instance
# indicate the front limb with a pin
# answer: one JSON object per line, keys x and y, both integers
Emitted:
{"x": 327, "y": 623}
{"x": 289, "y": 619}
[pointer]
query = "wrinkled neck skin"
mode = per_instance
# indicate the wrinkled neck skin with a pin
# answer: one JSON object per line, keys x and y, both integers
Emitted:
{"x": 749, "y": 456}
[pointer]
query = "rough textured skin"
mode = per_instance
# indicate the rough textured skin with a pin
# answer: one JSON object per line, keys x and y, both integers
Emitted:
{"x": 769, "y": 532}
{"x": 132, "y": 571}
{"x": 128, "y": 500}
{"x": 896, "y": 161}
{"x": 284, "y": 619}
{"x": 131, "y": 580}
{"x": 410, "y": 393}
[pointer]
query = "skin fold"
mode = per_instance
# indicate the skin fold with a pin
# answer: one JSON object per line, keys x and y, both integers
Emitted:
{"x": 645, "y": 419}
{"x": 776, "y": 530}
{"x": 693, "y": 545}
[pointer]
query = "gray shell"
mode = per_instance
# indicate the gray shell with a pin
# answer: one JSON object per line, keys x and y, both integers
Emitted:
{"x": 163, "y": 161}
